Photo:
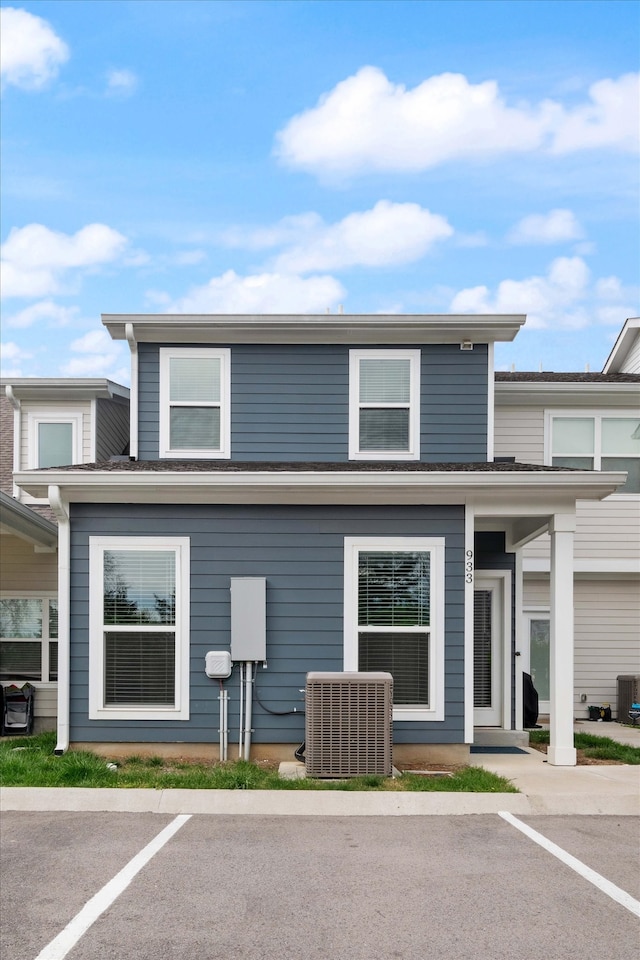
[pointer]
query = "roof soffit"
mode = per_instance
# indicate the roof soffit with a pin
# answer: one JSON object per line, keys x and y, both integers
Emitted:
{"x": 314, "y": 328}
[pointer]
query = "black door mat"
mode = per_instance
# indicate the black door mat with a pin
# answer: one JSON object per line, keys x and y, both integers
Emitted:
{"x": 481, "y": 749}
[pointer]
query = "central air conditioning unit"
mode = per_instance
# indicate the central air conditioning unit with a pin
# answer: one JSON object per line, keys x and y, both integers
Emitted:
{"x": 628, "y": 693}
{"x": 348, "y": 724}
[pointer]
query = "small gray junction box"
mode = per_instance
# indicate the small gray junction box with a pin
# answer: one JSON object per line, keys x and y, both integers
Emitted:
{"x": 248, "y": 618}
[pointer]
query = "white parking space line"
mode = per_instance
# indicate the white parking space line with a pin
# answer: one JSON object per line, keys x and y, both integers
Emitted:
{"x": 76, "y": 928}
{"x": 616, "y": 893}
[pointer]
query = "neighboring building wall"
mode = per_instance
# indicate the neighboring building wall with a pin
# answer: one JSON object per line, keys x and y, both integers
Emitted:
{"x": 24, "y": 572}
{"x": 607, "y": 628}
{"x": 632, "y": 360}
{"x": 300, "y": 551}
{"x": 519, "y": 433}
{"x": 6, "y": 445}
{"x": 112, "y": 428}
{"x": 61, "y": 408}
{"x": 291, "y": 402}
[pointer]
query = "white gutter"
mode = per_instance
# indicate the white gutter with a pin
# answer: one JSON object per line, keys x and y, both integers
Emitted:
{"x": 491, "y": 405}
{"x": 133, "y": 396}
{"x": 60, "y": 509}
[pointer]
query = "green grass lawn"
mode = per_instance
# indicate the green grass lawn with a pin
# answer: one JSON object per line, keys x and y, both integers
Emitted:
{"x": 594, "y": 746}
{"x": 29, "y": 762}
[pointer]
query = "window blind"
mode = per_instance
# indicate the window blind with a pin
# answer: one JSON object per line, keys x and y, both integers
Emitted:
{"x": 482, "y": 648}
{"x": 405, "y": 656}
{"x": 195, "y": 379}
{"x": 20, "y": 661}
{"x": 139, "y": 669}
{"x": 394, "y": 589}
{"x": 385, "y": 381}
{"x": 139, "y": 587}
{"x": 384, "y": 429}
{"x": 194, "y": 428}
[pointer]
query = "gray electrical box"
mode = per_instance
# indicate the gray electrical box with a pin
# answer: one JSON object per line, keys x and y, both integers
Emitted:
{"x": 248, "y": 618}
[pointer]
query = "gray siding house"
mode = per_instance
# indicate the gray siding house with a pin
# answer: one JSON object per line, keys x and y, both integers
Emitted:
{"x": 343, "y": 466}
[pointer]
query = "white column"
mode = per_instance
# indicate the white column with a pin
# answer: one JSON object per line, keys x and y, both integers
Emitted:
{"x": 561, "y": 751}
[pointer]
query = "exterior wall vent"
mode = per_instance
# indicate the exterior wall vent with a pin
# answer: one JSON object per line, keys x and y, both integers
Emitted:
{"x": 348, "y": 724}
{"x": 628, "y": 693}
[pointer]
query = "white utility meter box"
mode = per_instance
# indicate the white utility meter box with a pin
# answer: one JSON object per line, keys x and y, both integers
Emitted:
{"x": 248, "y": 618}
{"x": 217, "y": 664}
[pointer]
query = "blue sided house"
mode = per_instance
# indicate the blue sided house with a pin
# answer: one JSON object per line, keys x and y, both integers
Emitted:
{"x": 335, "y": 475}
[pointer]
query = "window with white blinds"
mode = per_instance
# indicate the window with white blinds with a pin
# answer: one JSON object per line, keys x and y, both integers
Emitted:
{"x": 28, "y": 639}
{"x": 384, "y": 391}
{"x": 139, "y": 645}
{"x": 394, "y": 618}
{"x": 194, "y": 402}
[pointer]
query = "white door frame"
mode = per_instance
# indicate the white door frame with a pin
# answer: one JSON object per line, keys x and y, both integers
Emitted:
{"x": 498, "y": 581}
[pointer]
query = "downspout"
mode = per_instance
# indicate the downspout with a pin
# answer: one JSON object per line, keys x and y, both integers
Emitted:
{"x": 61, "y": 511}
{"x": 133, "y": 393}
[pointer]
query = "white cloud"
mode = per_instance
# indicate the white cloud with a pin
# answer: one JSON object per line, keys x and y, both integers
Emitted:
{"x": 31, "y": 53}
{"x": 610, "y": 118}
{"x": 35, "y": 259}
{"x": 369, "y": 123}
{"x": 557, "y": 226}
{"x": 390, "y": 233}
{"x": 11, "y": 353}
{"x": 100, "y": 357}
{"x": 121, "y": 83}
{"x": 563, "y": 298}
{"x": 45, "y": 310}
{"x": 258, "y": 293}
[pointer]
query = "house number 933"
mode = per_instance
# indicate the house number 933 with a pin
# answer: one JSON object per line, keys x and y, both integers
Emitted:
{"x": 468, "y": 566}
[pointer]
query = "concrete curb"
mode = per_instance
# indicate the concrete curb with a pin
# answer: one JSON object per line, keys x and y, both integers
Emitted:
{"x": 303, "y": 803}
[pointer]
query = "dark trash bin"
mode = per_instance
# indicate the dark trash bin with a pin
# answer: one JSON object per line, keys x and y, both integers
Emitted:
{"x": 17, "y": 713}
{"x": 529, "y": 703}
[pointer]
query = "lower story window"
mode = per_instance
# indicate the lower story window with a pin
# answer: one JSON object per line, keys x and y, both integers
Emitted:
{"x": 394, "y": 618}
{"x": 28, "y": 639}
{"x": 139, "y": 613}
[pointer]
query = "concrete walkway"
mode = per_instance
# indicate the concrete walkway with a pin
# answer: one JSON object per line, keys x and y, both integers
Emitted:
{"x": 590, "y": 789}
{"x": 598, "y": 789}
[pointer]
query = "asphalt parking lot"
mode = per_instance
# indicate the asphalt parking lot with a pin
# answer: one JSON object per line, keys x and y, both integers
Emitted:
{"x": 288, "y": 888}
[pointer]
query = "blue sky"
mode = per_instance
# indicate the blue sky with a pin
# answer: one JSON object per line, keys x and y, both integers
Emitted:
{"x": 420, "y": 157}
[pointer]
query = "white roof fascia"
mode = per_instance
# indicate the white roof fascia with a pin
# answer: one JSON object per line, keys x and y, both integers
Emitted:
{"x": 22, "y": 522}
{"x": 623, "y": 344}
{"x": 501, "y": 494}
{"x": 64, "y": 388}
{"x": 315, "y": 328}
{"x": 598, "y": 394}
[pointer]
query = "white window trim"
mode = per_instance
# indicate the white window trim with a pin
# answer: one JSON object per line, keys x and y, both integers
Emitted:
{"x": 436, "y": 547}
{"x": 224, "y": 355}
{"x": 413, "y": 453}
{"x": 598, "y": 416}
{"x": 36, "y": 417}
{"x": 97, "y": 708}
{"x": 45, "y": 596}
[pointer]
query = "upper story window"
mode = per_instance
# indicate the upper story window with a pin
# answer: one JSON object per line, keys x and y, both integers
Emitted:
{"x": 55, "y": 439}
{"x": 384, "y": 404}
{"x": 598, "y": 442}
{"x": 195, "y": 402}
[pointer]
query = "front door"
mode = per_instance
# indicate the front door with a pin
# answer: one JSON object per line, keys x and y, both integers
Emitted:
{"x": 487, "y": 652}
